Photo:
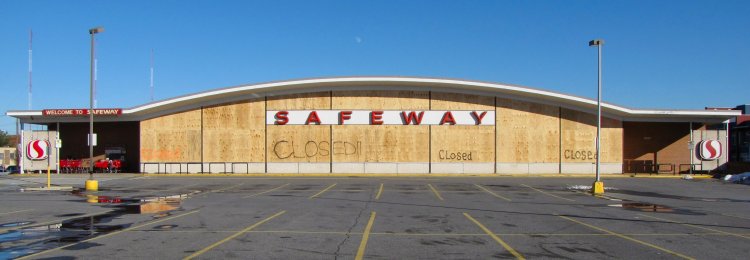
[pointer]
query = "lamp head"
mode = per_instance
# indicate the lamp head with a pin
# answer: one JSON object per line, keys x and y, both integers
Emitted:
{"x": 596, "y": 42}
{"x": 96, "y": 30}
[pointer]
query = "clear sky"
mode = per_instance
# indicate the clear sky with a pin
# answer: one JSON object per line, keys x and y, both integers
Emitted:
{"x": 658, "y": 54}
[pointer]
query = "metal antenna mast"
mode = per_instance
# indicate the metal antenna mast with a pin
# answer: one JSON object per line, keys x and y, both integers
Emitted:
{"x": 31, "y": 37}
{"x": 152, "y": 75}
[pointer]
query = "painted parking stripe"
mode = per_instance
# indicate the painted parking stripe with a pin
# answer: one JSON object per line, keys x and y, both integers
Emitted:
{"x": 109, "y": 234}
{"x": 365, "y": 237}
{"x": 546, "y": 193}
{"x": 380, "y": 192}
{"x": 491, "y": 192}
{"x": 495, "y": 237}
{"x": 323, "y": 191}
{"x": 734, "y": 216}
{"x": 628, "y": 238}
{"x": 14, "y": 212}
{"x": 696, "y": 226}
{"x": 228, "y": 188}
{"x": 251, "y": 227}
{"x": 435, "y": 191}
{"x": 264, "y": 192}
{"x": 219, "y": 190}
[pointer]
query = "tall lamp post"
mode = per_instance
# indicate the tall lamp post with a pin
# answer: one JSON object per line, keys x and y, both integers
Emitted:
{"x": 91, "y": 184}
{"x": 598, "y": 187}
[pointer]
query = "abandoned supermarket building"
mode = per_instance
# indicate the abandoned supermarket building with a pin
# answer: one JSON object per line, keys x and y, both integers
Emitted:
{"x": 382, "y": 125}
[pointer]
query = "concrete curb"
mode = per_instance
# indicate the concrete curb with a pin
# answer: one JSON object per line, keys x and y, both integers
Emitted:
{"x": 53, "y": 188}
{"x": 374, "y": 175}
{"x": 431, "y": 175}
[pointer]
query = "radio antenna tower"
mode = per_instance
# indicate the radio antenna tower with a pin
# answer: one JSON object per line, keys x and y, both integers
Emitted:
{"x": 96, "y": 71}
{"x": 31, "y": 37}
{"x": 151, "y": 86}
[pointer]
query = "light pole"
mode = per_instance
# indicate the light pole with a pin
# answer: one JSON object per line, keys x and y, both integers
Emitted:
{"x": 598, "y": 187}
{"x": 91, "y": 184}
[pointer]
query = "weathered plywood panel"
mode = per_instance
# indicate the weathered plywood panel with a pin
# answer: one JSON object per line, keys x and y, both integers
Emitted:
{"x": 299, "y": 143}
{"x": 316, "y": 100}
{"x": 455, "y": 101}
{"x": 463, "y": 144}
{"x": 384, "y": 100}
{"x": 527, "y": 132}
{"x": 365, "y": 143}
{"x": 234, "y": 132}
{"x": 172, "y": 138}
{"x": 578, "y": 133}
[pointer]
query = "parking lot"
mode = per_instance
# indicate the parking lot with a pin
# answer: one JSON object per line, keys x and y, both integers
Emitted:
{"x": 375, "y": 218}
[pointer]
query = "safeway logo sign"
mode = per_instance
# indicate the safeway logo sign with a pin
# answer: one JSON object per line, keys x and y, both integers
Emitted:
{"x": 710, "y": 149}
{"x": 37, "y": 150}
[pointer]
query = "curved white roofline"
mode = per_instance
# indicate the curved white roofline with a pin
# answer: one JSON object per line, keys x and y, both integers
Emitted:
{"x": 349, "y": 83}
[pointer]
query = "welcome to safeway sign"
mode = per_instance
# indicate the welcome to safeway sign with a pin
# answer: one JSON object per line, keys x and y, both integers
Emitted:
{"x": 82, "y": 112}
{"x": 384, "y": 117}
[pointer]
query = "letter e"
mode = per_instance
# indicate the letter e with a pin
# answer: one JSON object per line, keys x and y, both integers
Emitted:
{"x": 376, "y": 117}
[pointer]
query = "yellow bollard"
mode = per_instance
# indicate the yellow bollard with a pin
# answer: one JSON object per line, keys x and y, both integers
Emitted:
{"x": 597, "y": 188}
{"x": 92, "y": 198}
{"x": 92, "y": 185}
{"x": 48, "y": 177}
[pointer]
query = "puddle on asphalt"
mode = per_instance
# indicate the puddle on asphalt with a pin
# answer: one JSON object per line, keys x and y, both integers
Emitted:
{"x": 165, "y": 227}
{"x": 643, "y": 207}
{"x": 15, "y": 224}
{"x": 29, "y": 240}
{"x": 633, "y": 205}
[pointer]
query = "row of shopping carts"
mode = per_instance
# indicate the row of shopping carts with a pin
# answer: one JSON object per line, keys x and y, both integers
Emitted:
{"x": 82, "y": 166}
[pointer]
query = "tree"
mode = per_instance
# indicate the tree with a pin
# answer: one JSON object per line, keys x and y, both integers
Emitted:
{"x": 4, "y": 140}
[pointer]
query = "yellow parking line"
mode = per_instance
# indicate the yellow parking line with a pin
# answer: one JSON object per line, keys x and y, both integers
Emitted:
{"x": 546, "y": 193}
{"x": 13, "y": 212}
{"x": 380, "y": 191}
{"x": 234, "y": 235}
{"x": 181, "y": 187}
{"x": 228, "y": 188}
{"x": 735, "y": 216}
{"x": 435, "y": 191}
{"x": 108, "y": 234}
{"x": 695, "y": 226}
{"x": 133, "y": 187}
{"x": 365, "y": 236}
{"x": 264, "y": 192}
{"x": 628, "y": 238}
{"x": 495, "y": 237}
{"x": 491, "y": 193}
{"x": 321, "y": 192}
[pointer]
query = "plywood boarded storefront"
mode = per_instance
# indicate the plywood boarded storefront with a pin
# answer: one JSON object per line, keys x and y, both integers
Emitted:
{"x": 522, "y": 136}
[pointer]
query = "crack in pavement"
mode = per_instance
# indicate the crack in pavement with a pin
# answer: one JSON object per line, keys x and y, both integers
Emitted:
{"x": 348, "y": 232}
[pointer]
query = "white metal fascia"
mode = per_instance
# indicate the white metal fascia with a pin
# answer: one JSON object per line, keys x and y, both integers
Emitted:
{"x": 269, "y": 88}
{"x": 24, "y": 113}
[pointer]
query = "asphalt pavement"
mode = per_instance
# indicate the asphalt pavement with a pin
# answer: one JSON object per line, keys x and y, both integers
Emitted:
{"x": 204, "y": 217}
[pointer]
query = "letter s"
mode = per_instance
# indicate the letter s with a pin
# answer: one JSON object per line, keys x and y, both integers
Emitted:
{"x": 281, "y": 118}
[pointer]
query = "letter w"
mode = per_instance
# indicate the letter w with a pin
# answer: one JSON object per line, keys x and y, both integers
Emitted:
{"x": 412, "y": 117}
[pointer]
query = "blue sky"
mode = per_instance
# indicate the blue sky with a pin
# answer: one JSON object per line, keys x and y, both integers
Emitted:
{"x": 658, "y": 54}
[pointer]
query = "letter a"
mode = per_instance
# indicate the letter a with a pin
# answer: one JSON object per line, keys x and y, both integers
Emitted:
{"x": 448, "y": 118}
{"x": 313, "y": 117}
